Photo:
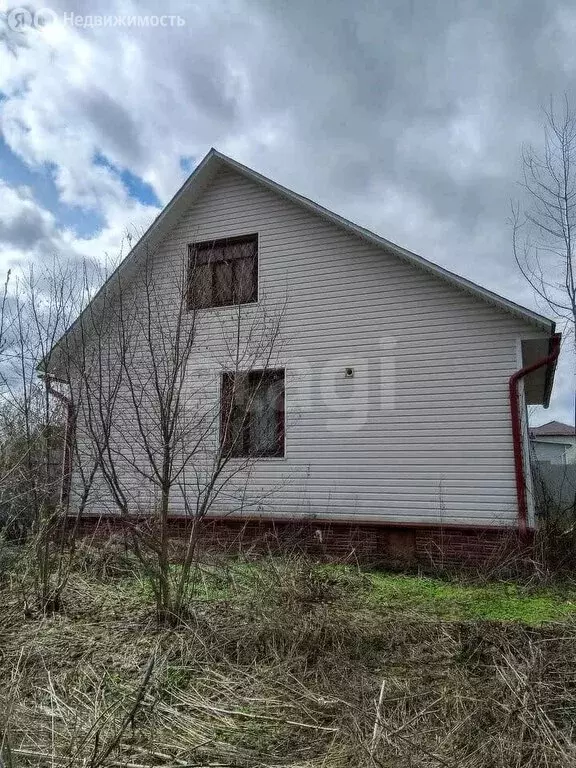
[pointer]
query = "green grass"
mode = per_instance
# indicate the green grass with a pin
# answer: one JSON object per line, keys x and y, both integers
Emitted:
{"x": 457, "y": 601}
{"x": 395, "y": 594}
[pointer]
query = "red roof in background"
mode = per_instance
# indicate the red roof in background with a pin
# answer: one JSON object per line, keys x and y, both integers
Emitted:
{"x": 552, "y": 429}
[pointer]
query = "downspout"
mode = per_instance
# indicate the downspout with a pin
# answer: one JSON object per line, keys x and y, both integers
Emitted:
{"x": 68, "y": 440}
{"x": 513, "y": 383}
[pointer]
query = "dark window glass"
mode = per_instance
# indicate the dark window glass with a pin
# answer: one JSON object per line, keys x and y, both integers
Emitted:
{"x": 223, "y": 272}
{"x": 252, "y": 421}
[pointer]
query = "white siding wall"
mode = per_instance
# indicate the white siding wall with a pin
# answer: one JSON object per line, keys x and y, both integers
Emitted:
{"x": 422, "y": 432}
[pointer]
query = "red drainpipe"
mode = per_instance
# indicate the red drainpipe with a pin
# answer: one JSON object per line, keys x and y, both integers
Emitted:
{"x": 517, "y": 429}
{"x": 68, "y": 440}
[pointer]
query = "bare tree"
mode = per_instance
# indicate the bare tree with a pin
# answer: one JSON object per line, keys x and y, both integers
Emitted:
{"x": 147, "y": 363}
{"x": 544, "y": 227}
{"x": 145, "y": 403}
{"x": 36, "y": 310}
{"x": 4, "y": 312}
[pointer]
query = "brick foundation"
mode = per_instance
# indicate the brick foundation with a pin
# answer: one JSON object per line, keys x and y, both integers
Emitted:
{"x": 363, "y": 542}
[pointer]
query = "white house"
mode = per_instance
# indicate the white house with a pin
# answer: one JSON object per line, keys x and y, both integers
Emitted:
{"x": 401, "y": 387}
{"x": 554, "y": 442}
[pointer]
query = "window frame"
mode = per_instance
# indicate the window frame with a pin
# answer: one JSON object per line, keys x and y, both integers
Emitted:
{"x": 226, "y": 389}
{"x": 208, "y": 245}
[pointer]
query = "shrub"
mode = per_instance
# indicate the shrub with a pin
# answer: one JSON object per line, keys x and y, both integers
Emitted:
{"x": 106, "y": 560}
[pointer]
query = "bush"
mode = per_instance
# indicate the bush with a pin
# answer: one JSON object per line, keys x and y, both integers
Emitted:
{"x": 555, "y": 545}
{"x": 299, "y": 583}
{"x": 106, "y": 560}
{"x": 30, "y": 470}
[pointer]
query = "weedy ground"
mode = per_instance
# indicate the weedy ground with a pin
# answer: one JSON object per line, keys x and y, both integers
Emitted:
{"x": 285, "y": 662}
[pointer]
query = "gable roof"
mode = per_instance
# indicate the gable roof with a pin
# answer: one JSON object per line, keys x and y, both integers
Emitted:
{"x": 553, "y": 429}
{"x": 413, "y": 258}
{"x": 205, "y": 172}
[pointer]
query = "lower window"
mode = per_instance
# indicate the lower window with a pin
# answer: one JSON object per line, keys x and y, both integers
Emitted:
{"x": 252, "y": 414}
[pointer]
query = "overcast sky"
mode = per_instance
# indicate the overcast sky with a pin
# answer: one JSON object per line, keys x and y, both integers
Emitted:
{"x": 407, "y": 117}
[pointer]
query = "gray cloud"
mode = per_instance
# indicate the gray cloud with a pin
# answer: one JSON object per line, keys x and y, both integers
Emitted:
{"x": 25, "y": 230}
{"x": 116, "y": 127}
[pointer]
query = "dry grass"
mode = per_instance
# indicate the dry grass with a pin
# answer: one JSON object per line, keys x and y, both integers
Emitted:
{"x": 287, "y": 668}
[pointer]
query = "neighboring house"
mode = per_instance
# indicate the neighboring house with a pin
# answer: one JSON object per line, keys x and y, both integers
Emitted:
{"x": 554, "y": 442}
{"x": 399, "y": 388}
{"x": 553, "y": 450}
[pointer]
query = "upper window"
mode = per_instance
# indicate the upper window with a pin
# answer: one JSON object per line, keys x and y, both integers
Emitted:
{"x": 252, "y": 420}
{"x": 223, "y": 272}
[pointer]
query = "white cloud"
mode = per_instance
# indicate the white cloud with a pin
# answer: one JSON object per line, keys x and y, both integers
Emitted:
{"x": 29, "y": 232}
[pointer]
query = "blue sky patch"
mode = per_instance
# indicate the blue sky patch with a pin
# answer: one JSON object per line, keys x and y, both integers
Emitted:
{"x": 187, "y": 163}
{"x": 16, "y": 173}
{"x": 135, "y": 186}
